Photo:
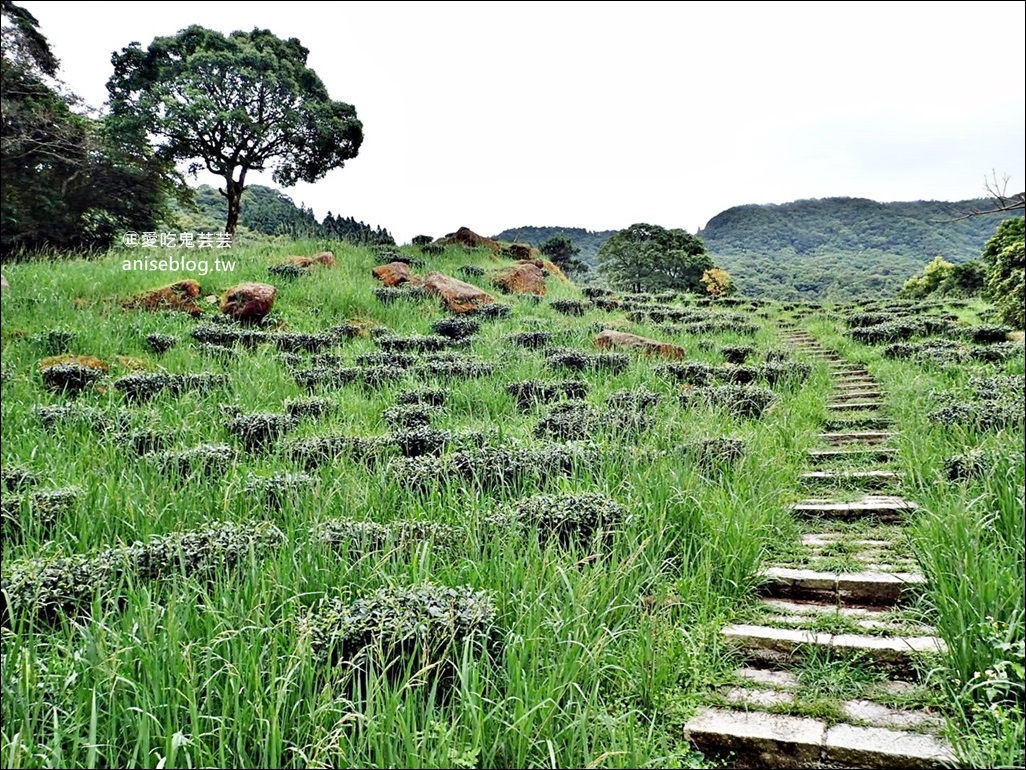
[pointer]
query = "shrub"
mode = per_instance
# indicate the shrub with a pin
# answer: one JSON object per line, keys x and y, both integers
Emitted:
{"x": 309, "y": 406}
{"x": 160, "y": 343}
{"x": 571, "y": 307}
{"x": 737, "y": 354}
{"x": 417, "y": 343}
{"x": 691, "y": 373}
{"x": 494, "y": 311}
{"x": 312, "y": 452}
{"x": 46, "y": 588}
{"x": 382, "y": 358}
{"x": 275, "y": 489}
{"x": 17, "y": 477}
{"x": 54, "y": 342}
{"x": 141, "y": 442}
{"x": 420, "y": 440}
{"x": 70, "y": 378}
{"x": 744, "y": 401}
{"x": 971, "y": 464}
{"x": 288, "y": 271}
{"x": 409, "y": 416}
{"x": 258, "y": 431}
{"x": 88, "y": 416}
{"x": 530, "y": 340}
{"x": 294, "y": 342}
{"x": 366, "y": 536}
{"x": 428, "y": 396}
{"x": 417, "y": 625}
{"x": 454, "y": 366}
{"x": 141, "y": 386}
{"x": 708, "y": 453}
{"x": 205, "y": 458}
{"x": 567, "y": 519}
{"x": 456, "y": 328}
{"x": 386, "y": 295}
{"x": 470, "y": 272}
{"x": 784, "y": 373}
{"x": 568, "y": 421}
{"x": 528, "y": 393}
{"x": 227, "y": 336}
{"x": 579, "y": 361}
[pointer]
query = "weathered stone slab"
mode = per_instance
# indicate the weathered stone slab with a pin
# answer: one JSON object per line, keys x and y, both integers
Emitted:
{"x": 877, "y": 747}
{"x": 766, "y": 740}
{"x": 879, "y": 454}
{"x": 757, "y": 697}
{"x": 857, "y": 437}
{"x": 878, "y": 715}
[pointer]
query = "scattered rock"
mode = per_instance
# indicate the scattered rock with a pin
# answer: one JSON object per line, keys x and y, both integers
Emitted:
{"x": 522, "y": 278}
{"x": 471, "y": 240}
{"x": 324, "y": 259}
{"x": 458, "y": 297}
{"x": 393, "y": 274}
{"x": 4, "y": 286}
{"x": 248, "y": 301}
{"x": 608, "y": 338}
{"x": 87, "y": 362}
{"x": 522, "y": 251}
{"x": 179, "y": 297}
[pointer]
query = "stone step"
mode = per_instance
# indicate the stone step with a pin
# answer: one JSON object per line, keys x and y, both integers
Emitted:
{"x": 876, "y": 454}
{"x": 788, "y": 613}
{"x": 759, "y": 739}
{"x": 874, "y": 478}
{"x": 854, "y": 406}
{"x": 859, "y": 711}
{"x": 856, "y": 394}
{"x": 886, "y": 508}
{"x": 858, "y": 422}
{"x": 856, "y": 437}
{"x": 866, "y": 589}
{"x": 898, "y": 654}
{"x": 859, "y": 382}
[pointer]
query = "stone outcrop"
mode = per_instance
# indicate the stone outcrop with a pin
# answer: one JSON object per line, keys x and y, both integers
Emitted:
{"x": 248, "y": 301}
{"x": 609, "y": 339}
{"x": 393, "y": 274}
{"x": 458, "y": 296}
{"x": 522, "y": 278}
{"x": 180, "y": 297}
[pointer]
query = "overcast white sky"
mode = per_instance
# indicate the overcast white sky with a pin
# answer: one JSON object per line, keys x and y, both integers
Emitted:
{"x": 599, "y": 115}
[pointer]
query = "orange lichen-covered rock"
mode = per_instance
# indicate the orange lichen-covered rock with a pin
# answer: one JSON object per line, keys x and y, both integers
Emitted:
{"x": 608, "y": 339}
{"x": 458, "y": 296}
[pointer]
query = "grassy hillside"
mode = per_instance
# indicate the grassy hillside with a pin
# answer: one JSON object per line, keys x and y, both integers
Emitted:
{"x": 378, "y": 585}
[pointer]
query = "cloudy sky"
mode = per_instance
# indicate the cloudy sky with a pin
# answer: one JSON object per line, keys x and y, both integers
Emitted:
{"x": 598, "y": 115}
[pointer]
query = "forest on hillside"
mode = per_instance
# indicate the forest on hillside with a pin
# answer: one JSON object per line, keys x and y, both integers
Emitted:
{"x": 830, "y": 248}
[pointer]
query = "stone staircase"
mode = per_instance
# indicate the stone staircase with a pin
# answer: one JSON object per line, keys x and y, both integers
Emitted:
{"x": 834, "y": 650}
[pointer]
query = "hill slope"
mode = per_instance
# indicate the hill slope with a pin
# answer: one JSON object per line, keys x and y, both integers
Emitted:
{"x": 588, "y": 241}
{"x": 841, "y": 247}
{"x": 838, "y": 248}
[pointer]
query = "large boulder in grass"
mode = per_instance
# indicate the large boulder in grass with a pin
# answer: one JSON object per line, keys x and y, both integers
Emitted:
{"x": 324, "y": 259}
{"x": 248, "y": 301}
{"x": 393, "y": 274}
{"x": 458, "y": 296}
{"x": 471, "y": 240}
{"x": 522, "y": 251}
{"x": 522, "y": 278}
{"x": 180, "y": 297}
{"x": 608, "y": 339}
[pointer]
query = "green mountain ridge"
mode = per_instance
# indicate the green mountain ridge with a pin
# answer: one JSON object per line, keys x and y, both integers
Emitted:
{"x": 824, "y": 248}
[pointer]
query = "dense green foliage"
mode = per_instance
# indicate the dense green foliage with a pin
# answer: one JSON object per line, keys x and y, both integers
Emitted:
{"x": 588, "y": 241}
{"x": 646, "y": 257}
{"x": 69, "y": 181}
{"x": 563, "y": 253}
{"x": 246, "y": 102}
{"x": 1005, "y": 259}
{"x": 941, "y": 278}
{"x": 271, "y": 212}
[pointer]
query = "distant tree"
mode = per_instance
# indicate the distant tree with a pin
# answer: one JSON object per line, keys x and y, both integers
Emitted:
{"x": 651, "y": 258}
{"x": 1005, "y": 259}
{"x": 563, "y": 253}
{"x": 70, "y": 181}
{"x": 232, "y": 105}
{"x": 717, "y": 282}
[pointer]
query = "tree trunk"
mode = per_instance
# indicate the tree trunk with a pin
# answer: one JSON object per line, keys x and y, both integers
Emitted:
{"x": 233, "y": 192}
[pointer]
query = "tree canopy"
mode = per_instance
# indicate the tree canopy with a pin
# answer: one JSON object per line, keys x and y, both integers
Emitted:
{"x": 564, "y": 254}
{"x": 70, "y": 181}
{"x": 245, "y": 102}
{"x": 1005, "y": 259}
{"x": 647, "y": 257}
